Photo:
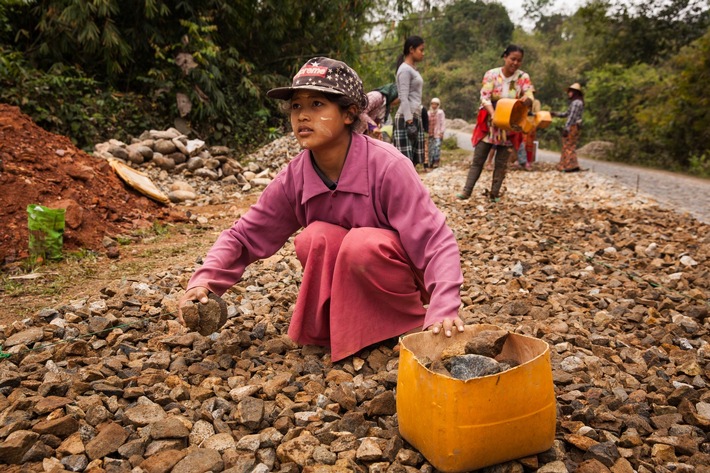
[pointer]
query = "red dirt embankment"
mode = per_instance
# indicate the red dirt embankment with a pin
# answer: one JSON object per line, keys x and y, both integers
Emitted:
{"x": 38, "y": 167}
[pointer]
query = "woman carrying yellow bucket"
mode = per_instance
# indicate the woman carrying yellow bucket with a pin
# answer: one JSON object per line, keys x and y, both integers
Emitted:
{"x": 507, "y": 82}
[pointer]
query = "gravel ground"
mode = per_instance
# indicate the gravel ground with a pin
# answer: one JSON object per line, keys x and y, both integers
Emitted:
{"x": 617, "y": 287}
{"x": 671, "y": 190}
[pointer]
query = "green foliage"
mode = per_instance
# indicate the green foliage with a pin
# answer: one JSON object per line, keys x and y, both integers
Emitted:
{"x": 654, "y": 113}
{"x": 644, "y": 32}
{"x": 223, "y": 55}
{"x": 468, "y": 28}
{"x": 82, "y": 254}
{"x": 113, "y": 68}
{"x": 556, "y": 55}
{"x": 66, "y": 102}
{"x": 378, "y": 61}
{"x": 123, "y": 240}
{"x": 614, "y": 102}
{"x": 700, "y": 165}
{"x": 457, "y": 84}
{"x": 64, "y": 28}
{"x": 679, "y": 109}
{"x": 9, "y": 287}
{"x": 157, "y": 229}
{"x": 641, "y": 84}
{"x": 449, "y": 144}
{"x": 613, "y": 99}
{"x": 4, "y": 24}
{"x": 462, "y": 43}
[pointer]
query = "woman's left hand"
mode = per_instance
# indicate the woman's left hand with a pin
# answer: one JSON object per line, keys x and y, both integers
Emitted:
{"x": 447, "y": 326}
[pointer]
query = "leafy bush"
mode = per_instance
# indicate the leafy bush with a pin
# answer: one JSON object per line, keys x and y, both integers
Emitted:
{"x": 613, "y": 99}
{"x": 700, "y": 165}
{"x": 676, "y": 111}
{"x": 66, "y": 102}
{"x": 449, "y": 143}
{"x": 121, "y": 67}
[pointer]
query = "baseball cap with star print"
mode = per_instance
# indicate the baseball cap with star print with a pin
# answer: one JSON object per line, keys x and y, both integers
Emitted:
{"x": 325, "y": 75}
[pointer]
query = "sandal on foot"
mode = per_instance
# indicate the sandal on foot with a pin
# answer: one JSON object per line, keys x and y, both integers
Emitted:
{"x": 462, "y": 196}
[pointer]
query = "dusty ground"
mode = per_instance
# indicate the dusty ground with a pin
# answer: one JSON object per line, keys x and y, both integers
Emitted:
{"x": 38, "y": 167}
{"x": 150, "y": 243}
{"x": 604, "y": 275}
{"x": 25, "y": 291}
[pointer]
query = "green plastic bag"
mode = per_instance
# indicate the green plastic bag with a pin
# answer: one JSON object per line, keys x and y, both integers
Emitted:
{"x": 46, "y": 228}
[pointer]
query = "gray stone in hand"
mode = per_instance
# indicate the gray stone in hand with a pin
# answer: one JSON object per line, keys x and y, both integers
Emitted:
{"x": 205, "y": 318}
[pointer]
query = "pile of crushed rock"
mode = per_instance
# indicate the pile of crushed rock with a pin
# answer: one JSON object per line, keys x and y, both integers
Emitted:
{"x": 617, "y": 287}
{"x": 188, "y": 170}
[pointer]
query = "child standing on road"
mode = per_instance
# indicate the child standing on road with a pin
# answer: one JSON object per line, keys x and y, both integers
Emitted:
{"x": 374, "y": 247}
{"x": 436, "y": 131}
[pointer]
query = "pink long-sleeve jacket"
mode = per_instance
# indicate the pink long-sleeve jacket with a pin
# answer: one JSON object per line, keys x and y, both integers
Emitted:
{"x": 378, "y": 188}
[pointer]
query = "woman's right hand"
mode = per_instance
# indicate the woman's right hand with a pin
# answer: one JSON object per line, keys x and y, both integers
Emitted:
{"x": 197, "y": 293}
{"x": 447, "y": 326}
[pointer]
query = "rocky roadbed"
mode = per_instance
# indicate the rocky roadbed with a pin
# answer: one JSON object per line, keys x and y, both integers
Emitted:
{"x": 616, "y": 285}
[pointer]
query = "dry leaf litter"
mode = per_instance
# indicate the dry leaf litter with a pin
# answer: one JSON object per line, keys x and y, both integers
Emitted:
{"x": 616, "y": 285}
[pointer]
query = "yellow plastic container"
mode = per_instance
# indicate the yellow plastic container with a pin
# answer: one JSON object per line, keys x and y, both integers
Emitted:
{"x": 466, "y": 425}
{"x": 510, "y": 114}
{"x": 543, "y": 119}
{"x": 528, "y": 124}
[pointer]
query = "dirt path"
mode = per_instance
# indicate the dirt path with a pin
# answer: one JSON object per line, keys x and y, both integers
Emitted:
{"x": 671, "y": 190}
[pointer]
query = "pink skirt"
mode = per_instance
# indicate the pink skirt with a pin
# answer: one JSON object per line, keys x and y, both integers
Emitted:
{"x": 358, "y": 288}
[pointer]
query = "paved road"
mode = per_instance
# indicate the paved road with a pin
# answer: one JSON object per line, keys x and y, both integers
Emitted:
{"x": 670, "y": 190}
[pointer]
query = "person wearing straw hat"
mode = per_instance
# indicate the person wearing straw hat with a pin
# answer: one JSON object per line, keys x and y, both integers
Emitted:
{"x": 508, "y": 81}
{"x": 378, "y": 258}
{"x": 570, "y": 133}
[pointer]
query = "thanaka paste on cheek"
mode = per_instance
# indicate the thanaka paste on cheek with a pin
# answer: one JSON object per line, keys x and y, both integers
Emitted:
{"x": 323, "y": 129}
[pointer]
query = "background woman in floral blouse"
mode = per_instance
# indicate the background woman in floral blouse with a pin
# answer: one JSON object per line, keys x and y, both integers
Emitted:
{"x": 502, "y": 82}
